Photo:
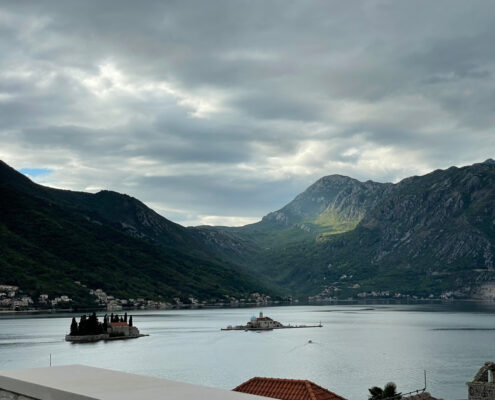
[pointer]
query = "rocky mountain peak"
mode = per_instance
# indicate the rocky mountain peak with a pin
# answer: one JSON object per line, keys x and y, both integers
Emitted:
{"x": 331, "y": 198}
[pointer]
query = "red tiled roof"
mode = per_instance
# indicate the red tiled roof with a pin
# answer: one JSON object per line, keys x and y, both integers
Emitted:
{"x": 118, "y": 323}
{"x": 286, "y": 389}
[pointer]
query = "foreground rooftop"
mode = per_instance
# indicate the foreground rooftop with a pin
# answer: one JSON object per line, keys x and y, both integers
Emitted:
{"x": 286, "y": 389}
{"x": 79, "y": 382}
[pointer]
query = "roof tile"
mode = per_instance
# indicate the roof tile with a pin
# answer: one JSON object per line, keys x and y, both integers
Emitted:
{"x": 286, "y": 389}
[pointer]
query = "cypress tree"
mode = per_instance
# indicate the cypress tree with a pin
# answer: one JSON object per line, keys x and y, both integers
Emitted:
{"x": 83, "y": 325}
{"x": 130, "y": 321}
{"x": 73, "y": 327}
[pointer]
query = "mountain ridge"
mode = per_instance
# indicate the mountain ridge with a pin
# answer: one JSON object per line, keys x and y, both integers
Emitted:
{"x": 425, "y": 235}
{"x": 51, "y": 238}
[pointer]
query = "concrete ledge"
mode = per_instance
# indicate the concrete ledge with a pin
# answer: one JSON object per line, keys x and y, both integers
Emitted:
{"x": 19, "y": 387}
{"x": 86, "y": 338}
{"x": 79, "y": 382}
{"x": 4, "y": 395}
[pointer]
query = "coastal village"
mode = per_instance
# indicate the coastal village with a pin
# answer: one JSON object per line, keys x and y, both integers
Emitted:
{"x": 13, "y": 298}
{"x": 345, "y": 290}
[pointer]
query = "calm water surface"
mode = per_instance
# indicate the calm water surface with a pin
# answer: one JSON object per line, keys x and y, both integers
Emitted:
{"x": 358, "y": 347}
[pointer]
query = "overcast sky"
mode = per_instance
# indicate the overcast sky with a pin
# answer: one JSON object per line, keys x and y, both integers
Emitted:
{"x": 217, "y": 112}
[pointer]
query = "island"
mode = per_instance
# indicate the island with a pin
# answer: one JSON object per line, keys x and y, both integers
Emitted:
{"x": 90, "y": 329}
{"x": 262, "y": 323}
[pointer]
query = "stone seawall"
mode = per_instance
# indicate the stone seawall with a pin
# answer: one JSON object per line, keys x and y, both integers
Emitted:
{"x": 97, "y": 338}
{"x": 86, "y": 338}
{"x": 6, "y": 395}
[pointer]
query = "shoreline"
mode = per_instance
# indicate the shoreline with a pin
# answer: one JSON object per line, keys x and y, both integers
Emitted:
{"x": 98, "y": 338}
{"x": 54, "y": 312}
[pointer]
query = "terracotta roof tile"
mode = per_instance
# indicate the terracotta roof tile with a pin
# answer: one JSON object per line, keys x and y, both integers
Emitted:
{"x": 286, "y": 389}
{"x": 118, "y": 323}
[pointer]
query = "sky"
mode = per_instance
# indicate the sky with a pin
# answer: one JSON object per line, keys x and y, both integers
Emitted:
{"x": 218, "y": 112}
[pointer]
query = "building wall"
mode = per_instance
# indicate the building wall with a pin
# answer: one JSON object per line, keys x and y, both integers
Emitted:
{"x": 6, "y": 395}
{"x": 481, "y": 391}
{"x": 118, "y": 330}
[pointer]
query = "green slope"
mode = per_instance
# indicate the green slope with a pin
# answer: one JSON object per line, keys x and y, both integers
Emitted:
{"x": 48, "y": 243}
{"x": 422, "y": 236}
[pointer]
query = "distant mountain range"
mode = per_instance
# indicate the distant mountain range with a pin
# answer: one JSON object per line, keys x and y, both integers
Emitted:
{"x": 424, "y": 236}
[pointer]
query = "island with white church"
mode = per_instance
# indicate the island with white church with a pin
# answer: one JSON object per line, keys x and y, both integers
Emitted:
{"x": 262, "y": 323}
{"x": 113, "y": 327}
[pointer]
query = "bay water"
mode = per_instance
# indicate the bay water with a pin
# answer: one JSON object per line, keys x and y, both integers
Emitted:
{"x": 359, "y": 346}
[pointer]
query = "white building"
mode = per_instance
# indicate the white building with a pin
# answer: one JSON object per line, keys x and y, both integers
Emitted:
{"x": 263, "y": 323}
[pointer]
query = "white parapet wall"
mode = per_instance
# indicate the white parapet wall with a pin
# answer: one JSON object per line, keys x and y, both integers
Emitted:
{"x": 79, "y": 382}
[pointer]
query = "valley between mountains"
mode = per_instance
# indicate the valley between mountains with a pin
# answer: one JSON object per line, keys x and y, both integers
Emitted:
{"x": 425, "y": 236}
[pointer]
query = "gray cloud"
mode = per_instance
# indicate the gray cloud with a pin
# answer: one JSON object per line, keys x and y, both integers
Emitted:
{"x": 221, "y": 111}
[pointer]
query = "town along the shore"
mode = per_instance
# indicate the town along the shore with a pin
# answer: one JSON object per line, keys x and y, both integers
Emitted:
{"x": 90, "y": 329}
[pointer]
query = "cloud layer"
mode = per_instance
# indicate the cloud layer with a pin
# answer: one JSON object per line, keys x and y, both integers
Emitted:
{"x": 218, "y": 112}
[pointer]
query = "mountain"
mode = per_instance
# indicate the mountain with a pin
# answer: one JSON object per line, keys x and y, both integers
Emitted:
{"x": 424, "y": 235}
{"x": 439, "y": 229}
{"x": 50, "y": 238}
{"x": 332, "y": 205}
{"x": 334, "y": 202}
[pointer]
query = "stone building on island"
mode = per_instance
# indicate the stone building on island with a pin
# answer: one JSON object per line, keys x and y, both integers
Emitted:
{"x": 121, "y": 327}
{"x": 263, "y": 323}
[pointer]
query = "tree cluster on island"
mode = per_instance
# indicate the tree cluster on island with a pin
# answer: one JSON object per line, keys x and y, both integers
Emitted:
{"x": 90, "y": 325}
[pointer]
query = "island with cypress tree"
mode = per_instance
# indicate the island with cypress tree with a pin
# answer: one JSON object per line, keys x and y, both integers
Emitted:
{"x": 113, "y": 327}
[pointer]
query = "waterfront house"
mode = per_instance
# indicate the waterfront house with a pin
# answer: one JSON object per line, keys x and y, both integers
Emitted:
{"x": 286, "y": 389}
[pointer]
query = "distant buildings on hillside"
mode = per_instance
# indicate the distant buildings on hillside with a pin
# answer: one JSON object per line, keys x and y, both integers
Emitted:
{"x": 339, "y": 291}
{"x": 12, "y": 298}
